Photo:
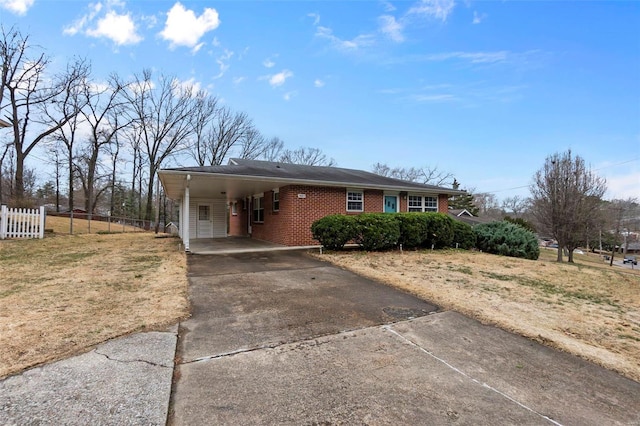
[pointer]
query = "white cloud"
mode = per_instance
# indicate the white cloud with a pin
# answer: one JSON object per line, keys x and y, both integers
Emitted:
{"x": 223, "y": 63}
{"x": 280, "y": 78}
{"x": 391, "y": 28}
{"x": 102, "y": 21}
{"x": 118, "y": 28}
{"x": 238, "y": 80}
{"x": 289, "y": 95}
{"x": 442, "y": 97}
{"x": 81, "y": 23}
{"x": 184, "y": 28}
{"x": 478, "y": 17}
{"x": 316, "y": 18}
{"x": 436, "y": 9}
{"x": 268, "y": 63}
{"x": 473, "y": 57}
{"x": 318, "y": 83}
{"x": 215, "y": 42}
{"x": 192, "y": 86}
{"x": 388, "y": 7}
{"x": 19, "y": 7}
{"x": 360, "y": 41}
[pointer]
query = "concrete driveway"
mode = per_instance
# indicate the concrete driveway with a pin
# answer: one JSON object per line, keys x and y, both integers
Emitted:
{"x": 280, "y": 338}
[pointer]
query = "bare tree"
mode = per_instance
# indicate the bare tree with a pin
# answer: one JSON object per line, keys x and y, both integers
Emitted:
{"x": 272, "y": 150}
{"x": 29, "y": 95}
{"x": 564, "y": 194}
{"x": 306, "y": 156}
{"x": 253, "y": 145}
{"x": 426, "y": 175}
{"x": 163, "y": 111}
{"x": 515, "y": 205}
{"x": 4, "y": 151}
{"x": 487, "y": 204}
{"x": 105, "y": 116}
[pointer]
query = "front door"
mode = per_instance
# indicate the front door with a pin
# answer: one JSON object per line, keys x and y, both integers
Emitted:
{"x": 204, "y": 225}
{"x": 390, "y": 203}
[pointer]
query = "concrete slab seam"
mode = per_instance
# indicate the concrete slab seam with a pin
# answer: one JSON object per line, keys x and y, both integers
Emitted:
{"x": 259, "y": 272}
{"x": 457, "y": 370}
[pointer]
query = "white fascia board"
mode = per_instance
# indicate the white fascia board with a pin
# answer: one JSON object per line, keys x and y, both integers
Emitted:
{"x": 313, "y": 182}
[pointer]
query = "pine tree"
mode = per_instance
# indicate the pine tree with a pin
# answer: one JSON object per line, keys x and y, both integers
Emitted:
{"x": 463, "y": 201}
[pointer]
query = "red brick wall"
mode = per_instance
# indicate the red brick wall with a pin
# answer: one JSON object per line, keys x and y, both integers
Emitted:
{"x": 291, "y": 225}
{"x": 238, "y": 223}
{"x": 443, "y": 203}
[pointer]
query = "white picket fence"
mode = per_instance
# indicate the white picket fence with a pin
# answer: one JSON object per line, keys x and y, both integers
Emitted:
{"x": 21, "y": 223}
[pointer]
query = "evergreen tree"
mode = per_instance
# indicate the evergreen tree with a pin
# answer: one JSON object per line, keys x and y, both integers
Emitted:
{"x": 463, "y": 201}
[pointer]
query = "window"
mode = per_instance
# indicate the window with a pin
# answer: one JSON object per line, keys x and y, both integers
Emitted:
{"x": 355, "y": 201}
{"x": 430, "y": 204}
{"x": 276, "y": 200}
{"x": 203, "y": 212}
{"x": 415, "y": 203}
{"x": 418, "y": 203}
{"x": 258, "y": 209}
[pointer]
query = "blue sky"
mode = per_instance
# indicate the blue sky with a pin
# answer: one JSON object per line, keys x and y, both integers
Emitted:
{"x": 484, "y": 90}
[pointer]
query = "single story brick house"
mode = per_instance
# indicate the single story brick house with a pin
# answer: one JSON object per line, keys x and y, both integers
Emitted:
{"x": 278, "y": 202}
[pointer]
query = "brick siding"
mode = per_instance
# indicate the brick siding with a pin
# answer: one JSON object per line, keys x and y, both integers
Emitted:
{"x": 300, "y": 206}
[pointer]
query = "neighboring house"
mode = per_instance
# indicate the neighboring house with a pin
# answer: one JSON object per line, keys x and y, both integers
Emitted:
{"x": 278, "y": 202}
{"x": 464, "y": 216}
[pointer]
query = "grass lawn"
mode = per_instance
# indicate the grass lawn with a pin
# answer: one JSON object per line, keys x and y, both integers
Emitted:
{"x": 66, "y": 293}
{"x": 588, "y": 308}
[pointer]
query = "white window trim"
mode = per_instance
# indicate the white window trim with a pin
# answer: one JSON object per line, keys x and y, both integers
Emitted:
{"x": 354, "y": 191}
{"x": 273, "y": 200}
{"x": 255, "y": 203}
{"x": 234, "y": 208}
{"x": 423, "y": 203}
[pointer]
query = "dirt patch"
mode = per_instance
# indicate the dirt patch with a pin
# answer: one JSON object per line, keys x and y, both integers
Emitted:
{"x": 64, "y": 294}
{"x": 588, "y": 309}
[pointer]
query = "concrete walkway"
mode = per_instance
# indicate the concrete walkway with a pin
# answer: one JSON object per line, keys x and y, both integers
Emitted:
{"x": 279, "y": 338}
{"x": 125, "y": 381}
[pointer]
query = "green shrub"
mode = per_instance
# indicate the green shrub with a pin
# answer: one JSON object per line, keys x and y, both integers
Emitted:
{"x": 507, "y": 239}
{"x": 439, "y": 230}
{"x": 413, "y": 229}
{"x": 463, "y": 235}
{"x": 377, "y": 231}
{"x": 334, "y": 231}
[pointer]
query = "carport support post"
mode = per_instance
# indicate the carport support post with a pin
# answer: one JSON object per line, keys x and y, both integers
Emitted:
{"x": 185, "y": 216}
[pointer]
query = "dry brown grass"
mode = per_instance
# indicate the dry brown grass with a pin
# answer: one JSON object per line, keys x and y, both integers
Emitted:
{"x": 588, "y": 309}
{"x": 61, "y": 225}
{"x": 63, "y": 294}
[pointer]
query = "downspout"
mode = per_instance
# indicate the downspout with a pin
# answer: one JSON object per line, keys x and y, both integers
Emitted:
{"x": 185, "y": 233}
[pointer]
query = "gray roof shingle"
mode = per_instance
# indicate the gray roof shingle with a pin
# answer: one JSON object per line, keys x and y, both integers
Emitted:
{"x": 315, "y": 174}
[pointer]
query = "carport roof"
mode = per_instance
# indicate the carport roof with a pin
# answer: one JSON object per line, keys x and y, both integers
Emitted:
{"x": 243, "y": 177}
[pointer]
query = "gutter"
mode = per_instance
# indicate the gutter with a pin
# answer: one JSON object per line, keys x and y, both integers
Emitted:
{"x": 313, "y": 182}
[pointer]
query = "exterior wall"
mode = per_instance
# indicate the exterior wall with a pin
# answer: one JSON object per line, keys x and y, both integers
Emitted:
{"x": 291, "y": 225}
{"x": 219, "y": 217}
{"x": 238, "y": 222}
{"x": 300, "y": 206}
{"x": 443, "y": 203}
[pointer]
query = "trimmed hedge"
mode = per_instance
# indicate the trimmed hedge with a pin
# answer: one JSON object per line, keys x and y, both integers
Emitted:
{"x": 439, "y": 228}
{"x": 334, "y": 231}
{"x": 463, "y": 235}
{"x": 413, "y": 229}
{"x": 507, "y": 239}
{"x": 380, "y": 231}
{"x": 377, "y": 231}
